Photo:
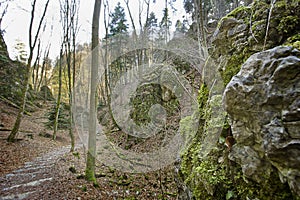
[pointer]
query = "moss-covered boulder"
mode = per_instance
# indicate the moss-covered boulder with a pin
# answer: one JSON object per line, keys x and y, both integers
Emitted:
{"x": 216, "y": 175}
{"x": 263, "y": 102}
{"x": 251, "y": 29}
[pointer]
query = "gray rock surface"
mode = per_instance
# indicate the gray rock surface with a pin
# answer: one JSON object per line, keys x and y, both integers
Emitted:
{"x": 263, "y": 101}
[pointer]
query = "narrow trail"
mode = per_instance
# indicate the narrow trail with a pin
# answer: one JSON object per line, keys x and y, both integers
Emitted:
{"x": 27, "y": 180}
{"x": 37, "y": 168}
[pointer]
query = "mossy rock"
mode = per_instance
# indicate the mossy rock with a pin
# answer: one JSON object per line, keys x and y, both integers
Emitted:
{"x": 234, "y": 48}
{"x": 214, "y": 176}
{"x": 293, "y": 41}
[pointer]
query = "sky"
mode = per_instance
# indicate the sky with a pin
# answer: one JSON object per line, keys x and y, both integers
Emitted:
{"x": 16, "y": 21}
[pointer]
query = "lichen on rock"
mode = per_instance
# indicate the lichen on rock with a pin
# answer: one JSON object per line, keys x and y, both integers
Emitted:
{"x": 263, "y": 102}
{"x": 254, "y": 168}
{"x": 243, "y": 31}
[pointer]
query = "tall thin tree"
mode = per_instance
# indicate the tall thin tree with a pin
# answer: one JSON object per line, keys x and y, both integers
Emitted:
{"x": 91, "y": 154}
{"x": 32, "y": 45}
{"x": 57, "y": 107}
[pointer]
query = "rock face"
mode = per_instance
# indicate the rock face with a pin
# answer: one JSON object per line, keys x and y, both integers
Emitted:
{"x": 263, "y": 101}
{"x": 11, "y": 76}
{"x": 243, "y": 32}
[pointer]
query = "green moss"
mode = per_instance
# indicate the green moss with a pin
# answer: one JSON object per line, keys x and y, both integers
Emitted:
{"x": 293, "y": 41}
{"x": 202, "y": 98}
{"x": 234, "y": 65}
{"x": 287, "y": 18}
{"x": 288, "y": 23}
{"x": 214, "y": 176}
{"x": 187, "y": 128}
{"x": 259, "y": 10}
{"x": 258, "y": 29}
{"x": 272, "y": 188}
{"x": 239, "y": 12}
{"x": 206, "y": 178}
{"x": 280, "y": 5}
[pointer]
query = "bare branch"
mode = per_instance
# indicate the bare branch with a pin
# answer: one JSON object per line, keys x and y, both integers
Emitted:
{"x": 32, "y": 45}
{"x": 130, "y": 15}
{"x": 3, "y": 13}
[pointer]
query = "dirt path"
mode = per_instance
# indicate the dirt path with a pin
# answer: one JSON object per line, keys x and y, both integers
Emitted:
{"x": 36, "y": 167}
{"x": 27, "y": 180}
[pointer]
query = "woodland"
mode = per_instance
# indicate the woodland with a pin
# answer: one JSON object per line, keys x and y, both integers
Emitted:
{"x": 204, "y": 107}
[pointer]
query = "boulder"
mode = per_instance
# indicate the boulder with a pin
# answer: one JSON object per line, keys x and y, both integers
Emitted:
{"x": 263, "y": 101}
{"x": 243, "y": 32}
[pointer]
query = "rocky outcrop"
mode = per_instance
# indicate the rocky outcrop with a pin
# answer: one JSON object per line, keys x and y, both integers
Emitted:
{"x": 251, "y": 29}
{"x": 263, "y": 162}
{"x": 11, "y": 75}
{"x": 263, "y": 101}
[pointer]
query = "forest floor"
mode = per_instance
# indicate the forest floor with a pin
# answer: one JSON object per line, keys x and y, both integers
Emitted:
{"x": 36, "y": 167}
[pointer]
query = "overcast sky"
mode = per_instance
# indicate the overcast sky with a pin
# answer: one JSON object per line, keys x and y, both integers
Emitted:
{"x": 16, "y": 21}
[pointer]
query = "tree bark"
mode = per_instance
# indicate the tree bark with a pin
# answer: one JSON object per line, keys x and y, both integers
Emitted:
{"x": 91, "y": 155}
{"x": 35, "y": 72}
{"x": 55, "y": 126}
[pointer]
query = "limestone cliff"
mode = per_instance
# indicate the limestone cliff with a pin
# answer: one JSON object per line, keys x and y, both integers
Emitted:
{"x": 251, "y": 29}
{"x": 262, "y": 103}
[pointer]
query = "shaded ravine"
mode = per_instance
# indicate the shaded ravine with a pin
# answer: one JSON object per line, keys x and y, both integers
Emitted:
{"x": 28, "y": 179}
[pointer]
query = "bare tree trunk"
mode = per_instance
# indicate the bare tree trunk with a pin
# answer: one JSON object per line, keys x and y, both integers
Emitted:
{"x": 131, "y": 17}
{"x": 46, "y": 56}
{"x": 91, "y": 155}
{"x": 68, "y": 13}
{"x": 35, "y": 72}
{"x": 73, "y": 31}
{"x": 32, "y": 45}
{"x": 200, "y": 26}
{"x": 55, "y": 125}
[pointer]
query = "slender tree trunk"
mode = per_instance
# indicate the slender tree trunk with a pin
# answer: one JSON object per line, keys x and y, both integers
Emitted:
{"x": 91, "y": 155}
{"x": 70, "y": 100}
{"x": 73, "y": 30}
{"x": 32, "y": 45}
{"x": 35, "y": 71}
{"x": 131, "y": 17}
{"x": 43, "y": 72}
{"x": 57, "y": 108}
{"x": 68, "y": 12}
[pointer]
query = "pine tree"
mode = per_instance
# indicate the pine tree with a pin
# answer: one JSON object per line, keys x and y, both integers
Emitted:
{"x": 118, "y": 21}
{"x": 151, "y": 22}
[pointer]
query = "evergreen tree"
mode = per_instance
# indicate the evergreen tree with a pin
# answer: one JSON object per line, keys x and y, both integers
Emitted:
{"x": 151, "y": 25}
{"x": 118, "y": 29}
{"x": 181, "y": 27}
{"x": 151, "y": 22}
{"x": 118, "y": 21}
{"x": 165, "y": 24}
